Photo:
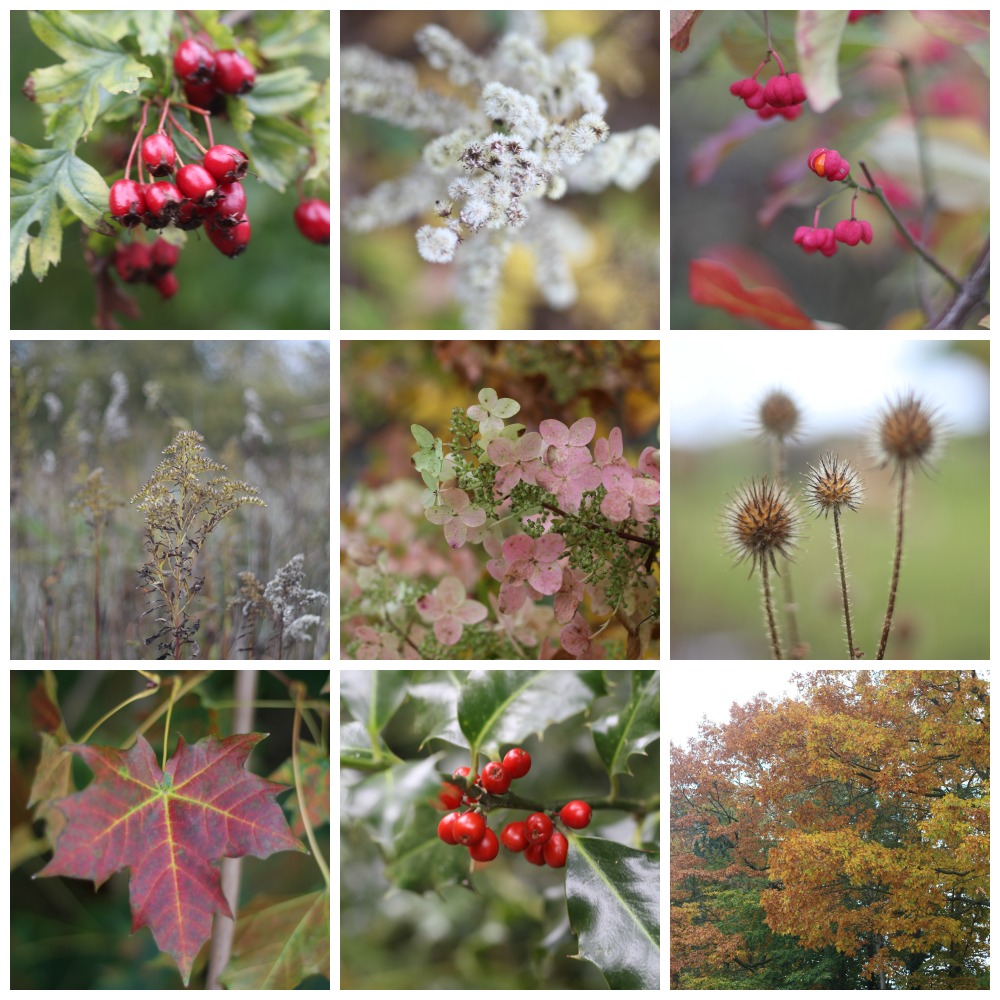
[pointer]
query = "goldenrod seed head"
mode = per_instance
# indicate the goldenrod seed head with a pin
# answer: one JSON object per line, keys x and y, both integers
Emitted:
{"x": 833, "y": 484}
{"x": 761, "y": 521}
{"x": 906, "y": 432}
{"x": 778, "y": 415}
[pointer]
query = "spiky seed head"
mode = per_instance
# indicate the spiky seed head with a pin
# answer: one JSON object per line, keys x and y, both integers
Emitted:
{"x": 906, "y": 432}
{"x": 761, "y": 521}
{"x": 778, "y": 416}
{"x": 833, "y": 484}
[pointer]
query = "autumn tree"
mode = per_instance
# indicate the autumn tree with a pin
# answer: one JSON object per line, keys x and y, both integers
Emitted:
{"x": 839, "y": 840}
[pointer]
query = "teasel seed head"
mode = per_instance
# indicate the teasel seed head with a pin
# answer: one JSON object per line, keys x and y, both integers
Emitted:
{"x": 761, "y": 521}
{"x": 833, "y": 485}
{"x": 906, "y": 432}
{"x": 778, "y": 416}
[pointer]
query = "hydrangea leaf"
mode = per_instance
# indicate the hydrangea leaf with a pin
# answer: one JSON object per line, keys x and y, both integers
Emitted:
{"x": 422, "y": 435}
{"x": 170, "y": 828}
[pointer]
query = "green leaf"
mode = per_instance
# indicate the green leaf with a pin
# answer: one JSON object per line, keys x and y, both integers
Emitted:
{"x": 92, "y": 62}
{"x": 613, "y": 897}
{"x": 281, "y": 93}
{"x": 618, "y": 737}
{"x": 423, "y": 436}
{"x": 50, "y": 172}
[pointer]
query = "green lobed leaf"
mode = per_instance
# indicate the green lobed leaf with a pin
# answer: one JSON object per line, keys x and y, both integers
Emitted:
{"x": 50, "y": 173}
{"x": 613, "y": 898}
{"x": 618, "y": 737}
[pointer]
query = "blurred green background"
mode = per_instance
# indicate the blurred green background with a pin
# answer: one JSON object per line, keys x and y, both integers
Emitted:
{"x": 281, "y": 282}
{"x": 384, "y": 282}
{"x": 942, "y": 606}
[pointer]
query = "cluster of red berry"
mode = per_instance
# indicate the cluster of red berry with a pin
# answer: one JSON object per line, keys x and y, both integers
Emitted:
{"x": 152, "y": 262}
{"x": 207, "y": 75}
{"x": 536, "y": 836}
{"x": 782, "y": 95}
{"x": 209, "y": 193}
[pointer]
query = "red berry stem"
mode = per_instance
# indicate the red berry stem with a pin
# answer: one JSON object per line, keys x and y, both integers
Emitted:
{"x": 135, "y": 143}
{"x": 163, "y": 115}
{"x": 183, "y": 131}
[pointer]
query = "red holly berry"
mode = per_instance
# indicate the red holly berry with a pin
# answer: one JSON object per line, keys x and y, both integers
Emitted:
{"x": 749, "y": 91}
{"x": 232, "y": 242}
{"x": 514, "y": 837}
{"x": 197, "y": 184}
{"x": 234, "y": 73}
{"x": 828, "y": 163}
{"x": 576, "y": 814}
{"x": 126, "y": 202}
{"x": 226, "y": 163}
{"x": 853, "y": 231}
{"x": 517, "y": 762}
{"x": 193, "y": 62}
{"x": 555, "y": 850}
{"x": 446, "y": 828}
{"x": 812, "y": 240}
{"x": 538, "y": 827}
{"x": 450, "y": 795}
{"x": 469, "y": 829}
{"x": 487, "y": 848}
{"x": 313, "y": 219}
{"x": 536, "y": 854}
{"x": 495, "y": 778}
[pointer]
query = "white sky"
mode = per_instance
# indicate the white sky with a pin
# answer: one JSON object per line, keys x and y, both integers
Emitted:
{"x": 711, "y": 692}
{"x": 840, "y": 379}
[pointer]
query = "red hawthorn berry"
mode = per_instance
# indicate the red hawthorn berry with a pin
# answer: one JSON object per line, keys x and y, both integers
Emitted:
{"x": 828, "y": 163}
{"x": 469, "y": 829}
{"x": 134, "y": 261}
{"x": 446, "y": 829}
{"x": 166, "y": 284}
{"x": 514, "y": 837}
{"x": 555, "y": 850}
{"x": 159, "y": 155}
{"x": 538, "y": 827}
{"x": 517, "y": 762}
{"x": 193, "y": 62}
{"x": 487, "y": 848}
{"x": 495, "y": 778}
{"x": 576, "y": 814}
{"x": 449, "y": 797}
{"x": 749, "y": 91}
{"x": 812, "y": 240}
{"x": 852, "y": 231}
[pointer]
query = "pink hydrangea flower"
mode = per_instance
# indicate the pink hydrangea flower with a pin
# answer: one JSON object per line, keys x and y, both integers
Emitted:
{"x": 628, "y": 496}
{"x": 567, "y": 444}
{"x": 382, "y": 646}
{"x": 608, "y": 451}
{"x": 534, "y": 560}
{"x": 570, "y": 595}
{"x": 449, "y": 609}
{"x": 456, "y": 516}
{"x": 518, "y": 460}
{"x": 568, "y": 480}
{"x": 575, "y": 639}
{"x": 649, "y": 463}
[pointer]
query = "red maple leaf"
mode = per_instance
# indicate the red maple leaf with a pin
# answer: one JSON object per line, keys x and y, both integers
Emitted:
{"x": 170, "y": 828}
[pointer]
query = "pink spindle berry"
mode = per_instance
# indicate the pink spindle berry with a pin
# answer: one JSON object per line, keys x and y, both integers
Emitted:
{"x": 828, "y": 163}
{"x": 811, "y": 240}
{"x": 749, "y": 91}
{"x": 853, "y": 231}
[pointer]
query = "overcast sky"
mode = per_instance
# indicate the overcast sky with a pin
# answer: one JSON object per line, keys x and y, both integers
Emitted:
{"x": 716, "y": 381}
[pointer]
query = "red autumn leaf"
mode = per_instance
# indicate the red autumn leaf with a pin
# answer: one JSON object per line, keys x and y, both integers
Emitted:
{"x": 714, "y": 284}
{"x": 681, "y": 23}
{"x": 170, "y": 828}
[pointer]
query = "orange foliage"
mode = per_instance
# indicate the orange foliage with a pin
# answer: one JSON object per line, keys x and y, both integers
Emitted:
{"x": 860, "y": 813}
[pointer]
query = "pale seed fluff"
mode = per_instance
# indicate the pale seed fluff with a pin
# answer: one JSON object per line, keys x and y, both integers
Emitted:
{"x": 436, "y": 244}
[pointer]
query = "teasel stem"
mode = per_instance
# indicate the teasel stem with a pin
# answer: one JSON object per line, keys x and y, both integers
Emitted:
{"x": 843, "y": 585}
{"x": 791, "y": 609}
{"x": 772, "y": 625}
{"x": 887, "y": 624}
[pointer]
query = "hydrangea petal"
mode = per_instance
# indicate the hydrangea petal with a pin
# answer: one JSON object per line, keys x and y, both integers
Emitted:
{"x": 546, "y": 579}
{"x": 582, "y": 432}
{"x": 518, "y": 547}
{"x": 448, "y": 631}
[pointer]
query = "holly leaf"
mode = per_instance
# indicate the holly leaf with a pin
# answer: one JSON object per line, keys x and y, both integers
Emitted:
{"x": 170, "y": 828}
